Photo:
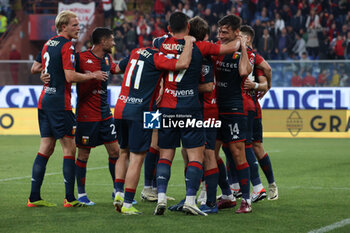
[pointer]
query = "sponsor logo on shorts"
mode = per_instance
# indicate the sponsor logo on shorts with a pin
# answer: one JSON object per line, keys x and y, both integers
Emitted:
{"x": 50, "y": 90}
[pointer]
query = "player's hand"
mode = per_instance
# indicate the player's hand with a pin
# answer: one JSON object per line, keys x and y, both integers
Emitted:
{"x": 189, "y": 39}
{"x": 260, "y": 94}
{"x": 100, "y": 75}
{"x": 243, "y": 41}
{"x": 248, "y": 84}
{"x": 44, "y": 77}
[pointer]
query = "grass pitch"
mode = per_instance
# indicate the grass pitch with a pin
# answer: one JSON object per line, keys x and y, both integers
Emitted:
{"x": 312, "y": 175}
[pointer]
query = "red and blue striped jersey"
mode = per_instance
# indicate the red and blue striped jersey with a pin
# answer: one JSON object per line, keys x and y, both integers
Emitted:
{"x": 208, "y": 99}
{"x": 92, "y": 102}
{"x": 230, "y": 94}
{"x": 142, "y": 73}
{"x": 57, "y": 55}
{"x": 181, "y": 88}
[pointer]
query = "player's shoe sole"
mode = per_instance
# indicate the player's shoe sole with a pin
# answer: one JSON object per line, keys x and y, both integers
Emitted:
{"x": 273, "y": 192}
{"x": 193, "y": 210}
{"x": 74, "y": 203}
{"x": 160, "y": 209}
{"x": 40, "y": 203}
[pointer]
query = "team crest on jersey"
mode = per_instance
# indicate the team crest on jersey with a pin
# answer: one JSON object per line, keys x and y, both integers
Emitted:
{"x": 85, "y": 140}
{"x": 205, "y": 70}
{"x": 107, "y": 61}
{"x": 236, "y": 55}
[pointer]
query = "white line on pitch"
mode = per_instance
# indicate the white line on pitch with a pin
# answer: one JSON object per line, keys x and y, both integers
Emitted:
{"x": 332, "y": 226}
{"x": 47, "y": 174}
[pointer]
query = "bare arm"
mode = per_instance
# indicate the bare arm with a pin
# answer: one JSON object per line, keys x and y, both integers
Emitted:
{"x": 75, "y": 77}
{"x": 268, "y": 72}
{"x": 186, "y": 55}
{"x": 261, "y": 86}
{"x": 205, "y": 87}
{"x": 36, "y": 68}
{"x": 244, "y": 66}
{"x": 230, "y": 47}
{"x": 118, "y": 70}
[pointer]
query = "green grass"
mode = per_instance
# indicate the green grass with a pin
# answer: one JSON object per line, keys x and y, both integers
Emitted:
{"x": 312, "y": 175}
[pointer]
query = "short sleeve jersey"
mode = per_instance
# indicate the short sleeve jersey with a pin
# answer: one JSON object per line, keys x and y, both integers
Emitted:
{"x": 57, "y": 55}
{"x": 181, "y": 88}
{"x": 142, "y": 73}
{"x": 92, "y": 102}
{"x": 230, "y": 94}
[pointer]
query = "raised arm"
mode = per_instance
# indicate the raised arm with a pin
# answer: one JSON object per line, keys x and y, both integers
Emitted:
{"x": 186, "y": 55}
{"x": 230, "y": 47}
{"x": 244, "y": 66}
{"x": 267, "y": 71}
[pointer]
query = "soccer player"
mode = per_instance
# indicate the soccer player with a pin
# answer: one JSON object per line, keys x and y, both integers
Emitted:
{"x": 200, "y": 30}
{"x": 260, "y": 87}
{"x": 95, "y": 123}
{"x": 143, "y": 71}
{"x": 56, "y": 120}
{"x": 180, "y": 99}
{"x": 231, "y": 71}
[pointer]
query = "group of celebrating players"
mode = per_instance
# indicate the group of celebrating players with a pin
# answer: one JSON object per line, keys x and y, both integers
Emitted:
{"x": 184, "y": 77}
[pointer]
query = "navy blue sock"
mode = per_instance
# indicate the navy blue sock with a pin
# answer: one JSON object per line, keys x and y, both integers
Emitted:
{"x": 253, "y": 165}
{"x": 266, "y": 166}
{"x": 69, "y": 176}
{"x": 119, "y": 185}
{"x": 154, "y": 181}
{"x": 193, "y": 177}
{"x": 150, "y": 165}
{"x": 244, "y": 179}
{"x": 38, "y": 172}
{"x": 111, "y": 165}
{"x": 163, "y": 175}
{"x": 81, "y": 174}
{"x": 223, "y": 182}
{"x": 211, "y": 178}
{"x": 129, "y": 195}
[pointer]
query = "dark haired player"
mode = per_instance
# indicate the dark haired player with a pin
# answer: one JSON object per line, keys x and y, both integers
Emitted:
{"x": 95, "y": 123}
{"x": 181, "y": 98}
{"x": 143, "y": 70}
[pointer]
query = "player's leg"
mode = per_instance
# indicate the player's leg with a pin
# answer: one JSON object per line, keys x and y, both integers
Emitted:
{"x": 131, "y": 180}
{"x": 168, "y": 140}
{"x": 47, "y": 146}
{"x": 263, "y": 158}
{"x": 163, "y": 176}
{"x": 265, "y": 164}
{"x": 81, "y": 163}
{"x": 211, "y": 172}
{"x": 149, "y": 193}
{"x": 113, "y": 155}
{"x": 227, "y": 199}
{"x": 232, "y": 172}
{"x": 259, "y": 192}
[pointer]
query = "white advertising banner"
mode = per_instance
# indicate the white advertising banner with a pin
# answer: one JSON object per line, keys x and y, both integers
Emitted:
{"x": 85, "y": 13}
{"x": 28, "y": 96}
{"x": 277, "y": 98}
